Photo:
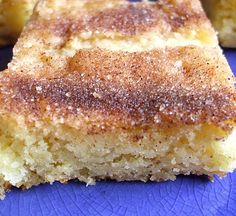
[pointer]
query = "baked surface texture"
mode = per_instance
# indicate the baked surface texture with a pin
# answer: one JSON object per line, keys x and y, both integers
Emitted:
{"x": 223, "y": 16}
{"x": 120, "y": 90}
{"x": 13, "y": 15}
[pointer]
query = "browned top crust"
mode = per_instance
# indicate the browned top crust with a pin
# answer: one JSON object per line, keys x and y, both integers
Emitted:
{"x": 102, "y": 89}
{"x": 127, "y": 18}
{"x": 184, "y": 85}
{"x": 110, "y": 18}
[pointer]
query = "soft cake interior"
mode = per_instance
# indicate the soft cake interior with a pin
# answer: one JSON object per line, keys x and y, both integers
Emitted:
{"x": 42, "y": 151}
{"x": 223, "y": 17}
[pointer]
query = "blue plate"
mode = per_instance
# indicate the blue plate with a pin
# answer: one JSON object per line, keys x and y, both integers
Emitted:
{"x": 188, "y": 195}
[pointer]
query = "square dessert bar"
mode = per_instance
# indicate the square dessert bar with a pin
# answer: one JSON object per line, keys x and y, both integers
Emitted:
{"x": 113, "y": 89}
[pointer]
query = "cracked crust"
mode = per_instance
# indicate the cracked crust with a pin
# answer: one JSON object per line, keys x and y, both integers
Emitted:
{"x": 184, "y": 85}
{"x": 124, "y": 18}
{"x": 171, "y": 85}
{"x": 115, "y": 20}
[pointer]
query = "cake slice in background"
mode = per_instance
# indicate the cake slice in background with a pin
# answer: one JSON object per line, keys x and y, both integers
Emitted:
{"x": 13, "y": 15}
{"x": 116, "y": 90}
{"x": 223, "y": 16}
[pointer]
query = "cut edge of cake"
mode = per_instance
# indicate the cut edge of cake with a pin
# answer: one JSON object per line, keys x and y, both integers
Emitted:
{"x": 74, "y": 107}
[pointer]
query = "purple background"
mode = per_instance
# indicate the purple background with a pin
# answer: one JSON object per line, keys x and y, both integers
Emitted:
{"x": 188, "y": 195}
